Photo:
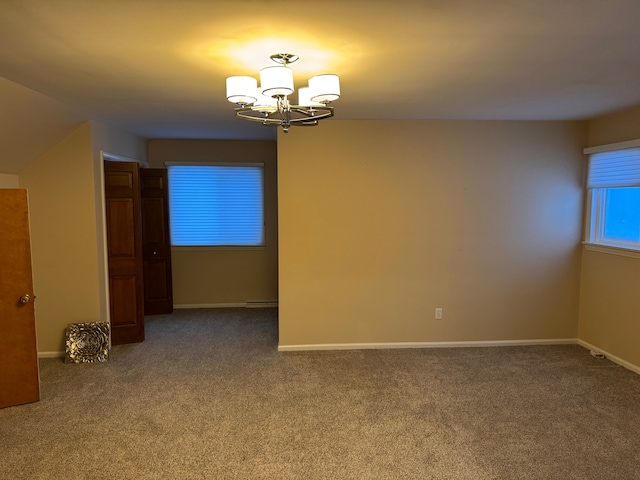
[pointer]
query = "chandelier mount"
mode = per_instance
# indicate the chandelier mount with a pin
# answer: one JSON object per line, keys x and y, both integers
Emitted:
{"x": 284, "y": 58}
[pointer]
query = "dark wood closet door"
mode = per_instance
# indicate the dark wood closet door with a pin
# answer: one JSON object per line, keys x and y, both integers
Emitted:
{"x": 156, "y": 244}
{"x": 124, "y": 249}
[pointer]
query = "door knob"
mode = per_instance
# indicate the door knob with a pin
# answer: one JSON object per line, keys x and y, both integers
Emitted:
{"x": 25, "y": 298}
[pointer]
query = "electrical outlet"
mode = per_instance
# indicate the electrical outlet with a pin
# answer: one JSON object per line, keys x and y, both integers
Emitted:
{"x": 438, "y": 314}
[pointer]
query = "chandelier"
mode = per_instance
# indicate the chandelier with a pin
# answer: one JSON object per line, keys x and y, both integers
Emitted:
{"x": 269, "y": 104}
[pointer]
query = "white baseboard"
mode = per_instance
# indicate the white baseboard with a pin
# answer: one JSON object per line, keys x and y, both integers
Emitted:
{"x": 366, "y": 346}
{"x": 261, "y": 304}
{"x": 50, "y": 354}
{"x": 210, "y": 305}
{"x": 613, "y": 358}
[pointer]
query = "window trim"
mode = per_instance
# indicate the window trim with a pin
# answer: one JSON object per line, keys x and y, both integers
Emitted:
{"x": 594, "y": 226}
{"x": 611, "y": 250}
{"x": 612, "y": 146}
{"x": 200, "y": 248}
{"x": 214, "y": 164}
{"x": 597, "y": 223}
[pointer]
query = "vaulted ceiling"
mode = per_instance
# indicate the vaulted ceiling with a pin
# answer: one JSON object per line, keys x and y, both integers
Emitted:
{"x": 158, "y": 67}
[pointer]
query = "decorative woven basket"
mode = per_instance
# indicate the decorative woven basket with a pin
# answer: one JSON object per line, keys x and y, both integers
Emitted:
{"x": 87, "y": 342}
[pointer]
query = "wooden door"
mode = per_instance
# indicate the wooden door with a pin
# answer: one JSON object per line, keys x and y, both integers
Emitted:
{"x": 124, "y": 250}
{"x": 156, "y": 244}
{"x": 19, "y": 381}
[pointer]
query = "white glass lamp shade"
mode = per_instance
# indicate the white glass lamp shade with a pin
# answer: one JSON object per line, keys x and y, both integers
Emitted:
{"x": 264, "y": 103}
{"x": 241, "y": 90}
{"x": 276, "y": 81}
{"x": 304, "y": 98}
{"x": 325, "y": 88}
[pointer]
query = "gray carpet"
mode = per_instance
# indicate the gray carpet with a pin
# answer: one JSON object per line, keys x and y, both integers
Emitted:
{"x": 207, "y": 396}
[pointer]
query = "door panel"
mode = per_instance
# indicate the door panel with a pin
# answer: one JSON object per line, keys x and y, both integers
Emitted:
{"x": 19, "y": 381}
{"x": 124, "y": 250}
{"x": 156, "y": 249}
{"x": 157, "y": 288}
{"x": 120, "y": 223}
{"x": 123, "y": 301}
{"x": 153, "y": 228}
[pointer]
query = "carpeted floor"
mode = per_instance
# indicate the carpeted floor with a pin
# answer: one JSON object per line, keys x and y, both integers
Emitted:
{"x": 207, "y": 396}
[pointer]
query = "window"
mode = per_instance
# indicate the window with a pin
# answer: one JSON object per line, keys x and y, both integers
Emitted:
{"x": 614, "y": 198}
{"x": 216, "y": 205}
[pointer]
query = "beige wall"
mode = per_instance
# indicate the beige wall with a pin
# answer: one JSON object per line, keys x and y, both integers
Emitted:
{"x": 8, "y": 181}
{"x": 61, "y": 193}
{"x": 617, "y": 127}
{"x": 67, "y": 233}
{"x": 609, "y": 304}
{"x": 609, "y": 300}
{"x": 219, "y": 276}
{"x": 30, "y": 125}
{"x": 383, "y": 221}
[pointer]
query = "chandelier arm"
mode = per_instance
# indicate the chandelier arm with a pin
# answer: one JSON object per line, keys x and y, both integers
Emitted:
{"x": 299, "y": 115}
{"x": 304, "y": 111}
{"x": 308, "y": 123}
{"x": 315, "y": 111}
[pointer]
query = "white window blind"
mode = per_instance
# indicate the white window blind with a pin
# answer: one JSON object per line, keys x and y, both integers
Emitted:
{"x": 216, "y": 205}
{"x": 616, "y": 168}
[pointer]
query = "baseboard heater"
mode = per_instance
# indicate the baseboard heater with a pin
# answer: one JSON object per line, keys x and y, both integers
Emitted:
{"x": 269, "y": 304}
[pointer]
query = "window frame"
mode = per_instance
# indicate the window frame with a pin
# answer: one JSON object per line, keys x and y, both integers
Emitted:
{"x": 261, "y": 246}
{"x": 595, "y": 211}
{"x": 596, "y": 222}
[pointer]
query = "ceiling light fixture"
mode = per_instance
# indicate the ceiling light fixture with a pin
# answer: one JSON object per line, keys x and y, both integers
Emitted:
{"x": 269, "y": 104}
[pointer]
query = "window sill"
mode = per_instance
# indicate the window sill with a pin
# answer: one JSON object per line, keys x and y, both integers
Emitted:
{"x": 611, "y": 250}
{"x": 214, "y": 248}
